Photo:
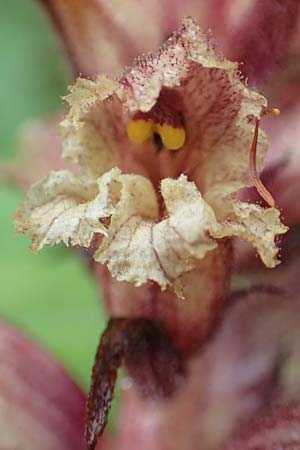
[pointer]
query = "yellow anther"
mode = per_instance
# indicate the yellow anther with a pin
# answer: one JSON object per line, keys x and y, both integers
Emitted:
{"x": 172, "y": 138}
{"x": 140, "y": 130}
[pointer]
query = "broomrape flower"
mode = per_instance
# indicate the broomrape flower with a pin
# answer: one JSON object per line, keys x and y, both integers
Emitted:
{"x": 163, "y": 152}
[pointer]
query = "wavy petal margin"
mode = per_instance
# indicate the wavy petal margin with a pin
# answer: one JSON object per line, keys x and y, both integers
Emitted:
{"x": 137, "y": 246}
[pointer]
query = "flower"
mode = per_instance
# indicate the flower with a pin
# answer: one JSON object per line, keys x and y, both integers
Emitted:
{"x": 158, "y": 224}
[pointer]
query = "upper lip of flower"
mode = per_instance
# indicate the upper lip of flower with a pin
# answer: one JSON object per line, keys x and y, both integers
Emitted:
{"x": 212, "y": 100}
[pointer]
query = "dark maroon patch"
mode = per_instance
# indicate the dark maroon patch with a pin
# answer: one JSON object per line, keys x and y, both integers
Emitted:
{"x": 167, "y": 109}
{"x": 151, "y": 359}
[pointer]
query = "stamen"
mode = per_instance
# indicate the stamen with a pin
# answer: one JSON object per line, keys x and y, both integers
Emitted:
{"x": 165, "y": 120}
{"x": 140, "y": 130}
{"x": 172, "y": 138}
{"x": 261, "y": 189}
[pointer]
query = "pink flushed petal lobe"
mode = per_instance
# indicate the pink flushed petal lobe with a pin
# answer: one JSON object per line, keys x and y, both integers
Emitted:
{"x": 250, "y": 365}
{"x": 103, "y": 37}
{"x": 39, "y": 153}
{"x": 40, "y": 406}
{"x": 278, "y": 429}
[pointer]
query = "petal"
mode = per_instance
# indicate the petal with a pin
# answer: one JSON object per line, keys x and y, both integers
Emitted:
{"x": 96, "y": 137}
{"x": 257, "y": 225}
{"x": 40, "y": 406}
{"x": 58, "y": 209}
{"x": 134, "y": 236}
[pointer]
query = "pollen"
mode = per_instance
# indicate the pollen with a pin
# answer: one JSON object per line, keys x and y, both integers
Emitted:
{"x": 173, "y": 138}
{"x": 140, "y": 130}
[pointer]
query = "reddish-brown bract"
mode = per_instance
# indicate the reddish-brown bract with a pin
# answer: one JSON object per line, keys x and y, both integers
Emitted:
{"x": 151, "y": 360}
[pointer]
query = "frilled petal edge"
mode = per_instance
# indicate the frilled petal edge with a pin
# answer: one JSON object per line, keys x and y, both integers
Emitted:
{"x": 143, "y": 236}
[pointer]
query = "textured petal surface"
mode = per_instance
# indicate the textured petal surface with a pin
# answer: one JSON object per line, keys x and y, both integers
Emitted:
{"x": 256, "y": 225}
{"x": 137, "y": 247}
{"x": 40, "y": 406}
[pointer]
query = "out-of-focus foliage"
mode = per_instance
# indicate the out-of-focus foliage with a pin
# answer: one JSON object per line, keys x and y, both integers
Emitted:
{"x": 51, "y": 295}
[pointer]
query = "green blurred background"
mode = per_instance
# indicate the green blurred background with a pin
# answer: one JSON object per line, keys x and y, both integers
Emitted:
{"x": 51, "y": 295}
